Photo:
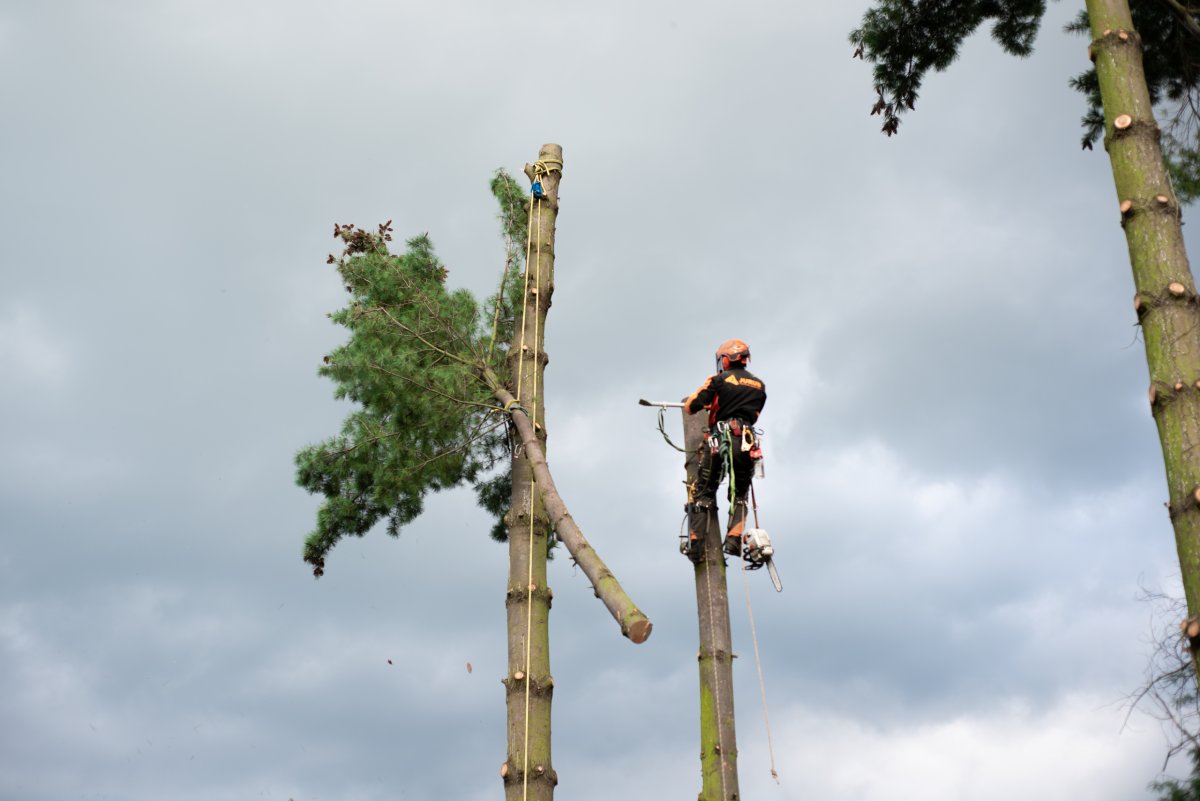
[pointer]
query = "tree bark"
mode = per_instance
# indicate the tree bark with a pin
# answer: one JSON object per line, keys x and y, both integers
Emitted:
{"x": 527, "y": 772}
{"x": 1166, "y": 300}
{"x": 718, "y": 737}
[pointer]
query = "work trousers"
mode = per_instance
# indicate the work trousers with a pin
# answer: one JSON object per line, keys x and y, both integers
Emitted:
{"x": 712, "y": 469}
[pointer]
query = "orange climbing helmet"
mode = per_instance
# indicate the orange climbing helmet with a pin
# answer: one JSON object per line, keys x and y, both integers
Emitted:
{"x": 731, "y": 352}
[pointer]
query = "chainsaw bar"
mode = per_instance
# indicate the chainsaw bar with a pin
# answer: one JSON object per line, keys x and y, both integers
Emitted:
{"x": 774, "y": 575}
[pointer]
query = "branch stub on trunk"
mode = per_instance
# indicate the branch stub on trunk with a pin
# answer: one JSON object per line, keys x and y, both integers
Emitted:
{"x": 1126, "y": 206}
{"x": 1177, "y": 289}
{"x": 1153, "y": 394}
{"x": 1122, "y": 122}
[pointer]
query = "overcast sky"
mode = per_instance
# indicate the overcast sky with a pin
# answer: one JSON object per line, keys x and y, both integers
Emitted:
{"x": 963, "y": 478}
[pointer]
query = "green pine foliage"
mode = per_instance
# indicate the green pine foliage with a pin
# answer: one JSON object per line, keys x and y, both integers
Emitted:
{"x": 1181, "y": 789}
{"x": 424, "y": 420}
{"x": 905, "y": 39}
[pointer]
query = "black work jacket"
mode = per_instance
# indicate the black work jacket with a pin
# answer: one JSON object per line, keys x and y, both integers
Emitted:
{"x": 730, "y": 394}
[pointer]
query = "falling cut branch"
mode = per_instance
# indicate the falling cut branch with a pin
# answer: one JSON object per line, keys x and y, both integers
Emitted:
{"x": 634, "y": 624}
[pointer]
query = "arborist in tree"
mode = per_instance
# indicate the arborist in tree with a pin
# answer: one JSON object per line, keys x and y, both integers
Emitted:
{"x": 734, "y": 398}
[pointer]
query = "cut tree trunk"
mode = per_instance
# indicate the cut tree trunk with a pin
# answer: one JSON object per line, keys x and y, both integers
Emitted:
{"x": 718, "y": 737}
{"x": 1166, "y": 300}
{"x": 536, "y": 508}
{"x": 527, "y": 773}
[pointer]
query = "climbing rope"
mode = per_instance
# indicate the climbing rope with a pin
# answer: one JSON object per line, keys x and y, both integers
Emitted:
{"x": 535, "y": 200}
{"x": 727, "y": 443}
{"x": 762, "y": 686}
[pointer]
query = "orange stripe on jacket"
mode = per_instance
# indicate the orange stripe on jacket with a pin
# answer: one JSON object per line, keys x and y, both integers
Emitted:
{"x": 687, "y": 404}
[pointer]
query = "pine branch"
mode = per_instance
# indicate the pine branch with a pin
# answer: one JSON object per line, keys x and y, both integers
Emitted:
{"x": 427, "y": 388}
{"x": 1185, "y": 15}
{"x": 406, "y": 329}
{"x": 435, "y": 312}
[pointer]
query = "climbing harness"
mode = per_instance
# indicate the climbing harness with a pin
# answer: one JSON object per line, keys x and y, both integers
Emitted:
{"x": 722, "y": 439}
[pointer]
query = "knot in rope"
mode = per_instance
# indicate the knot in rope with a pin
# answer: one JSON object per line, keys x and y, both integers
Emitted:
{"x": 546, "y": 166}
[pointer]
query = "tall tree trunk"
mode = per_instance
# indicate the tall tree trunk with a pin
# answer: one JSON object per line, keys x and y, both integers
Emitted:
{"x": 527, "y": 772}
{"x": 718, "y": 737}
{"x": 1166, "y": 301}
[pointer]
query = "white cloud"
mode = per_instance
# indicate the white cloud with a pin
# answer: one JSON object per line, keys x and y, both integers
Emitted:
{"x": 1071, "y": 749}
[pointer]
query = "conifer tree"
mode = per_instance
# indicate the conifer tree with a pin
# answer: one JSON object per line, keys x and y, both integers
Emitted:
{"x": 446, "y": 391}
{"x": 907, "y": 38}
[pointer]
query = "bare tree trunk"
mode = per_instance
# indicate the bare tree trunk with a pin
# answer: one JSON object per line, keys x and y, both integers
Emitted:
{"x": 718, "y": 737}
{"x": 1166, "y": 301}
{"x": 527, "y": 772}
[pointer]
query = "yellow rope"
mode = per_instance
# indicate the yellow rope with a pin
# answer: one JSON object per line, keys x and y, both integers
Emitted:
{"x": 544, "y": 166}
{"x": 528, "y": 247}
{"x": 533, "y": 483}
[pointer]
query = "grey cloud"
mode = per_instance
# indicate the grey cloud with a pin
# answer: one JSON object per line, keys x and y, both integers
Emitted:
{"x": 954, "y": 300}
